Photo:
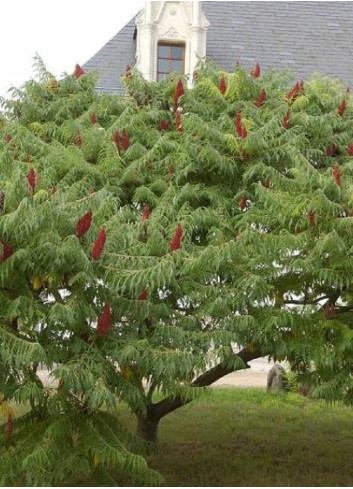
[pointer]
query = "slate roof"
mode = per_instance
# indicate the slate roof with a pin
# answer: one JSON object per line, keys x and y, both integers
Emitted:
{"x": 306, "y": 37}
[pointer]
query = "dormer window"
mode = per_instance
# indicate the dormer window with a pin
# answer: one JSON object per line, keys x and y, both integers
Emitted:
{"x": 171, "y": 59}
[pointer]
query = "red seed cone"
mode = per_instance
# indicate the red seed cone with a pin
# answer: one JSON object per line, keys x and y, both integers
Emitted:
{"x": 104, "y": 321}
{"x": 99, "y": 244}
{"x": 243, "y": 132}
{"x": 8, "y": 138}
{"x": 143, "y": 295}
{"x": 257, "y": 71}
{"x": 146, "y": 212}
{"x": 93, "y": 119}
{"x": 261, "y": 99}
{"x": 178, "y": 124}
{"x": 242, "y": 202}
{"x": 2, "y": 201}
{"x": 179, "y": 91}
{"x": 163, "y": 126}
{"x": 238, "y": 123}
{"x": 78, "y": 71}
{"x": 176, "y": 240}
{"x": 78, "y": 138}
{"x": 330, "y": 150}
{"x": 312, "y": 218}
{"x": 342, "y": 108}
{"x": 6, "y": 251}
{"x": 350, "y": 149}
{"x": 116, "y": 139}
{"x": 9, "y": 426}
{"x": 125, "y": 140}
{"x": 222, "y": 85}
{"x": 31, "y": 180}
{"x": 336, "y": 174}
{"x": 293, "y": 94}
{"x": 285, "y": 120}
{"x": 84, "y": 224}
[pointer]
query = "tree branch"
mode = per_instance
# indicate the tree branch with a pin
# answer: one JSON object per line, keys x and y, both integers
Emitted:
{"x": 169, "y": 404}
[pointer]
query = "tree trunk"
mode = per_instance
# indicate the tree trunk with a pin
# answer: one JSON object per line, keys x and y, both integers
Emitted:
{"x": 147, "y": 428}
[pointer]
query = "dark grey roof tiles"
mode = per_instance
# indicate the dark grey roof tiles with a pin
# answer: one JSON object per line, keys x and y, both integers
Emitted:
{"x": 111, "y": 60}
{"x": 306, "y": 37}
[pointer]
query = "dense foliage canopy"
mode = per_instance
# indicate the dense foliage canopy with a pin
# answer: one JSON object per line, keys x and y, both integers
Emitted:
{"x": 147, "y": 237}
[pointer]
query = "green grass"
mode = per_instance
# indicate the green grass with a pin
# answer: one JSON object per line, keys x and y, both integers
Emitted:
{"x": 245, "y": 437}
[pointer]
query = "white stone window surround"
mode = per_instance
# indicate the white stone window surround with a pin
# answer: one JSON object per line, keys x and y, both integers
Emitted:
{"x": 170, "y": 22}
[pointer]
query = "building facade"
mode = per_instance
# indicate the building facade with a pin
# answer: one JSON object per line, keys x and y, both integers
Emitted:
{"x": 304, "y": 37}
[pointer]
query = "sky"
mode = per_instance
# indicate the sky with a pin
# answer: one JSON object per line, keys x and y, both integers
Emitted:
{"x": 62, "y": 32}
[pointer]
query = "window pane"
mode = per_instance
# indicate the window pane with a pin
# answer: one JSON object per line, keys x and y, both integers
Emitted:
{"x": 177, "y": 66}
{"x": 163, "y": 51}
{"x": 177, "y": 52}
{"x": 161, "y": 76}
{"x": 163, "y": 65}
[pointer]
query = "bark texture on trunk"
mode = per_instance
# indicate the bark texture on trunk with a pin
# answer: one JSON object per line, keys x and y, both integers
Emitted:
{"x": 147, "y": 428}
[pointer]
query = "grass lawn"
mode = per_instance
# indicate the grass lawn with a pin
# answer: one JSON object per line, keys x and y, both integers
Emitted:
{"x": 245, "y": 437}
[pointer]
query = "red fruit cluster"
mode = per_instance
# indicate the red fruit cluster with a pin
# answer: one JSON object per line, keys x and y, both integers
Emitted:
{"x": 6, "y": 251}
{"x": 179, "y": 91}
{"x": 241, "y": 130}
{"x": 93, "y": 119}
{"x": 78, "y": 138}
{"x": 342, "y": 108}
{"x": 312, "y": 218}
{"x": 257, "y": 71}
{"x": 176, "y": 240}
{"x": 163, "y": 126}
{"x": 8, "y": 138}
{"x": 84, "y": 224}
{"x": 2, "y": 201}
{"x": 242, "y": 202}
{"x": 104, "y": 321}
{"x": 329, "y": 310}
{"x": 222, "y": 85}
{"x": 350, "y": 149}
{"x": 336, "y": 174}
{"x": 99, "y": 244}
{"x": 285, "y": 120}
{"x": 9, "y": 426}
{"x": 178, "y": 126}
{"x": 78, "y": 71}
{"x": 330, "y": 150}
{"x": 31, "y": 180}
{"x": 125, "y": 140}
{"x": 146, "y": 212}
{"x": 143, "y": 295}
{"x": 260, "y": 100}
{"x": 293, "y": 94}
